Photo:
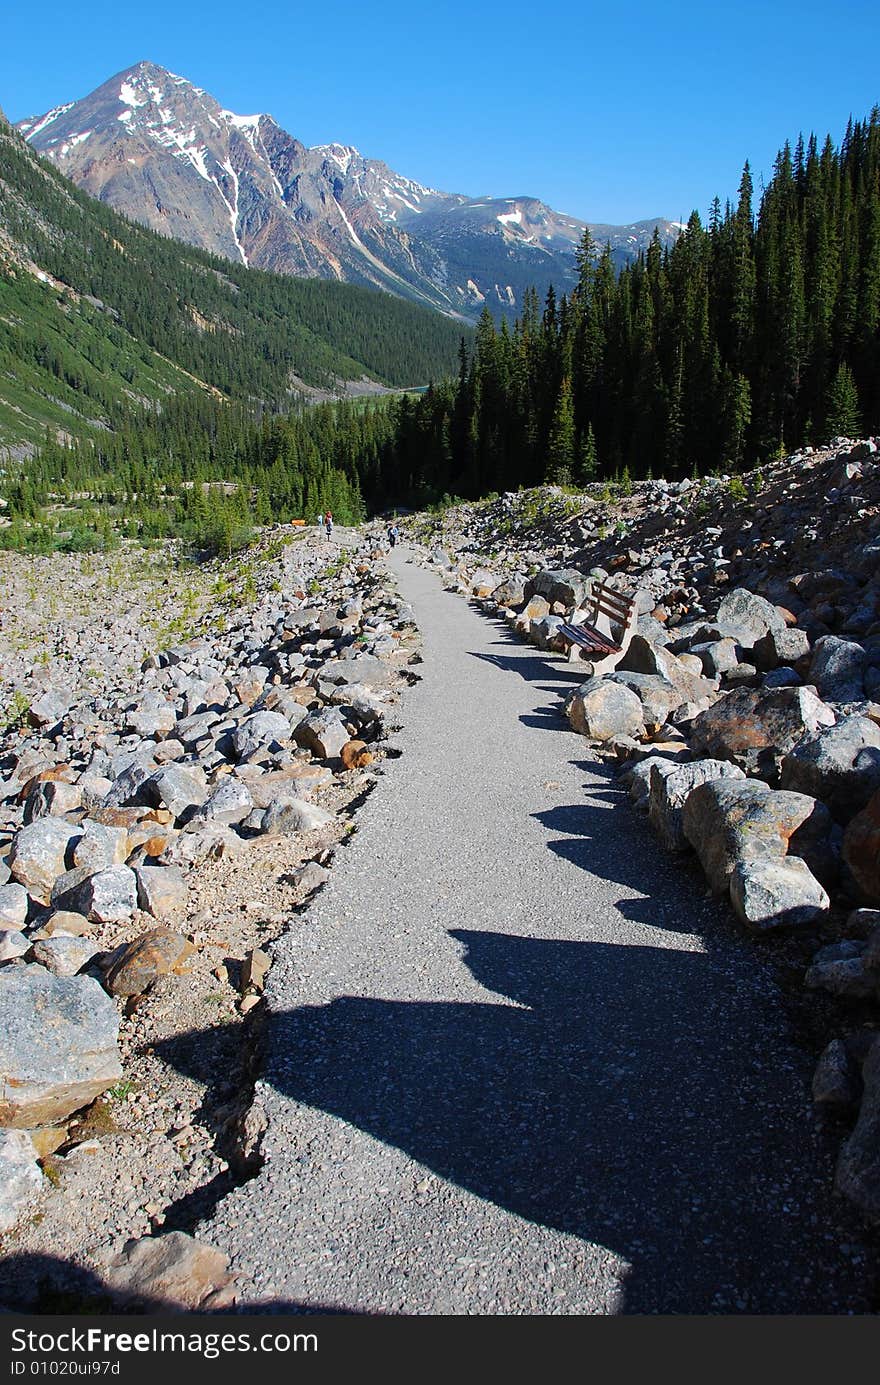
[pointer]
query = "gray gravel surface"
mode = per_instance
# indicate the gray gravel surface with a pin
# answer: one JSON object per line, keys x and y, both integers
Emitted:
{"x": 517, "y": 1062}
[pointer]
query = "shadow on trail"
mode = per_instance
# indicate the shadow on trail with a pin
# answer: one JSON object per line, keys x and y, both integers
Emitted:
{"x": 631, "y": 1105}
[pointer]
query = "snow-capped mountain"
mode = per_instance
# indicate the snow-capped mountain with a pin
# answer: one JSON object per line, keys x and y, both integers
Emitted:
{"x": 167, "y": 153}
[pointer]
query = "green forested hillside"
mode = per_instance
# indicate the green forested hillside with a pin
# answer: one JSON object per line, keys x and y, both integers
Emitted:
{"x": 99, "y": 316}
{"x": 751, "y": 336}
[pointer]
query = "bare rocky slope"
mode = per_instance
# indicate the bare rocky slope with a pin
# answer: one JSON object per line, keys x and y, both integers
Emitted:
{"x": 184, "y": 751}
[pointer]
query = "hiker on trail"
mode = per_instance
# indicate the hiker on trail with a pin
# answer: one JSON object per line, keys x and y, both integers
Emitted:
{"x": 393, "y": 533}
{"x": 329, "y": 523}
{"x": 321, "y": 520}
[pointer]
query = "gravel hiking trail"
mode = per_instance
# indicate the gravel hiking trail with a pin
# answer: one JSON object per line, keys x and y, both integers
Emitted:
{"x": 516, "y": 1061}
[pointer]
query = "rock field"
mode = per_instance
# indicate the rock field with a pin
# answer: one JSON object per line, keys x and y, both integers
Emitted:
{"x": 182, "y": 752}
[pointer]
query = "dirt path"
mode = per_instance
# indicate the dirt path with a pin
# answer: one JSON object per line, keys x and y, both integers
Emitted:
{"x": 517, "y": 1061}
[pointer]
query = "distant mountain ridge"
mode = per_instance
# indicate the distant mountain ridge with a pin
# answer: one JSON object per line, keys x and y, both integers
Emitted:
{"x": 102, "y": 319}
{"x": 167, "y": 154}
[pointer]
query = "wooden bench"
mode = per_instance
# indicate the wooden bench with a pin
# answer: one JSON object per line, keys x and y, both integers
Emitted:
{"x": 586, "y": 639}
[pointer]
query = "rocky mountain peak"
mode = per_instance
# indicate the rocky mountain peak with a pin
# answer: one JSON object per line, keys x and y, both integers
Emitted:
{"x": 167, "y": 153}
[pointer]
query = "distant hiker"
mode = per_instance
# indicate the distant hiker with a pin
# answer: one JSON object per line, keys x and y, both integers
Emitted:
{"x": 321, "y": 520}
{"x": 328, "y": 520}
{"x": 393, "y": 533}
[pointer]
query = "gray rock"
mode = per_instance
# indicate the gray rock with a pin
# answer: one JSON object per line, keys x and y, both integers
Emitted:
{"x": 157, "y": 722}
{"x": 323, "y": 733}
{"x": 755, "y": 727}
{"x": 39, "y": 855}
{"x": 100, "y": 846}
{"x": 837, "y": 669}
{"x": 769, "y": 896}
{"x": 857, "y": 1177}
{"x": 228, "y": 802}
{"x": 259, "y": 732}
{"x": 566, "y": 586}
{"x": 127, "y": 788}
{"x": 840, "y": 765}
{"x": 13, "y": 905}
{"x": 601, "y": 710}
{"x": 657, "y": 696}
{"x": 781, "y": 647}
{"x": 840, "y": 969}
{"x": 161, "y": 890}
{"x": 176, "y": 787}
{"x": 364, "y": 669}
{"x": 310, "y": 876}
{"x": 107, "y": 896}
{"x": 293, "y": 815}
{"x": 63, "y": 955}
{"x": 58, "y": 1045}
{"x": 668, "y": 790}
{"x": 21, "y": 1179}
{"x": 173, "y": 1269}
{"x": 837, "y": 1084}
{"x": 51, "y": 798}
{"x": 51, "y": 708}
{"x": 727, "y": 822}
{"x": 749, "y": 616}
{"x": 716, "y": 656}
{"x": 13, "y": 944}
{"x": 543, "y": 632}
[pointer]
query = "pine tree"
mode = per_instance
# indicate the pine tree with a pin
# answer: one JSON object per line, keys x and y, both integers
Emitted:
{"x": 842, "y": 414}
{"x": 560, "y": 444}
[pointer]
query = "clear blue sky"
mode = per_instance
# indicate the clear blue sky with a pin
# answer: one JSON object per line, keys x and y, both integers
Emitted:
{"x": 608, "y": 112}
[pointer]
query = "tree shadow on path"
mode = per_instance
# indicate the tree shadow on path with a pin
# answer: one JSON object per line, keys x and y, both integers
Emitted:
{"x": 631, "y": 1104}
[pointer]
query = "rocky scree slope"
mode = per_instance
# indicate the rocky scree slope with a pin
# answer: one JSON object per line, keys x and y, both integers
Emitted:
{"x": 745, "y": 711}
{"x": 161, "y": 817}
{"x": 166, "y": 153}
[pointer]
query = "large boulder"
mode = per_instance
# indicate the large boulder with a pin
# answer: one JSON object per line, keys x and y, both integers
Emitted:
{"x": 13, "y": 906}
{"x": 483, "y": 582}
{"x": 58, "y": 1045}
{"x": 837, "y": 669}
{"x": 841, "y": 765}
{"x": 161, "y": 890}
{"x": 747, "y": 618}
{"x": 228, "y": 802}
{"x": 670, "y": 786}
{"x": 179, "y": 789}
{"x": 564, "y": 585}
{"x": 38, "y": 855}
{"x": 657, "y": 696}
{"x": 323, "y": 733}
{"x": 775, "y": 895}
{"x": 861, "y": 850}
{"x": 756, "y": 727}
{"x": 175, "y": 1270}
{"x": 641, "y": 656}
{"x": 289, "y": 816}
{"x": 781, "y": 647}
{"x": 602, "y": 711}
{"x": 158, "y": 952}
{"x": 100, "y": 846}
{"x": 260, "y": 732}
{"x": 363, "y": 669}
{"x": 108, "y": 896}
{"x": 857, "y": 1177}
{"x": 728, "y": 821}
